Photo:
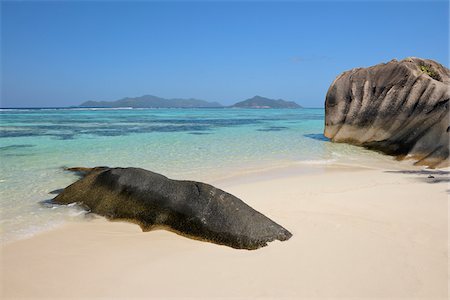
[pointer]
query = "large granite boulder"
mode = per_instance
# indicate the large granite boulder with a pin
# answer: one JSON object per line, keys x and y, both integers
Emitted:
{"x": 189, "y": 208}
{"x": 400, "y": 108}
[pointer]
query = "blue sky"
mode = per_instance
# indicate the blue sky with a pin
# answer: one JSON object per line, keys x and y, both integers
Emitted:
{"x": 64, "y": 53}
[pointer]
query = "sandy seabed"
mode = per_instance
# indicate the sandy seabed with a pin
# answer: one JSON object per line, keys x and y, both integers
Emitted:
{"x": 358, "y": 233}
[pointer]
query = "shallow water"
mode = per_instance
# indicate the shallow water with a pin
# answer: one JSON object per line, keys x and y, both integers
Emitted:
{"x": 200, "y": 144}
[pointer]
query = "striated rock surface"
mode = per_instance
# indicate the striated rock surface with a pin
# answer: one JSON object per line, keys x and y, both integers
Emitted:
{"x": 400, "y": 108}
{"x": 190, "y": 208}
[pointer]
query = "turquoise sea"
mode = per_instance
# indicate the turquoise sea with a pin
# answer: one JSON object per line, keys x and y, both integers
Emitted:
{"x": 199, "y": 144}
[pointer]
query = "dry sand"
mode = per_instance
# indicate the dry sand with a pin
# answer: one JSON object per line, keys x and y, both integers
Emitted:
{"x": 358, "y": 234}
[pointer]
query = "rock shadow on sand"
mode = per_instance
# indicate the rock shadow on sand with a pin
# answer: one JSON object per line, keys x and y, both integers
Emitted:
{"x": 428, "y": 176}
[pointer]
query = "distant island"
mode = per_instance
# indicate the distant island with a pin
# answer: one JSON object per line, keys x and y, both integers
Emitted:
{"x": 261, "y": 102}
{"x": 150, "y": 101}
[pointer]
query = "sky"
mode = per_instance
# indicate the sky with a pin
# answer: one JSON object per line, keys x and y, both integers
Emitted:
{"x": 56, "y": 54}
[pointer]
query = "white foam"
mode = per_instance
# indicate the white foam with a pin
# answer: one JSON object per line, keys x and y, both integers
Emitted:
{"x": 317, "y": 161}
{"x": 28, "y": 232}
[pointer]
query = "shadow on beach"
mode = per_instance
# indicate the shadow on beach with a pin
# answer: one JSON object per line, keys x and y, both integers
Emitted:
{"x": 316, "y": 136}
{"x": 430, "y": 176}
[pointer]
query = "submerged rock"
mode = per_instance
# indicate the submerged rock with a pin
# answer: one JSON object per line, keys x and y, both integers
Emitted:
{"x": 190, "y": 208}
{"x": 400, "y": 108}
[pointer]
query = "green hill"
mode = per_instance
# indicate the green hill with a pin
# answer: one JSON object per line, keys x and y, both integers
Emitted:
{"x": 261, "y": 102}
{"x": 149, "y": 101}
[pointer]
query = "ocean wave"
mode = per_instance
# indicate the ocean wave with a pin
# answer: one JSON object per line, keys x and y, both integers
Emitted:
{"x": 101, "y": 108}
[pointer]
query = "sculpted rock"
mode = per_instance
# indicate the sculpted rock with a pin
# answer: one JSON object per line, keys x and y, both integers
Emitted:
{"x": 190, "y": 208}
{"x": 400, "y": 108}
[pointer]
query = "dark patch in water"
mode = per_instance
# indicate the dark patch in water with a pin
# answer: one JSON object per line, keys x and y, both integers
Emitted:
{"x": 272, "y": 128}
{"x": 199, "y": 133}
{"x": 180, "y": 128}
{"x": 317, "y": 136}
{"x": 15, "y": 147}
{"x": 65, "y": 126}
{"x": 64, "y": 136}
{"x": 69, "y": 132}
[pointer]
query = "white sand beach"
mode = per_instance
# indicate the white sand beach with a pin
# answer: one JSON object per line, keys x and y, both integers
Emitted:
{"x": 358, "y": 233}
{"x": 322, "y": 126}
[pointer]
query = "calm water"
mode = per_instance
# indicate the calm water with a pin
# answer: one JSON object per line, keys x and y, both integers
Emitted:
{"x": 199, "y": 144}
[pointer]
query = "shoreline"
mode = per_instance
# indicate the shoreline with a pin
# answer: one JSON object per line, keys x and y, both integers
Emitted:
{"x": 357, "y": 232}
{"x": 225, "y": 174}
{"x": 249, "y": 173}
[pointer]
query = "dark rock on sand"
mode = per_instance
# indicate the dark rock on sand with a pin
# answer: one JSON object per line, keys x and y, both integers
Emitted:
{"x": 400, "y": 108}
{"x": 190, "y": 208}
